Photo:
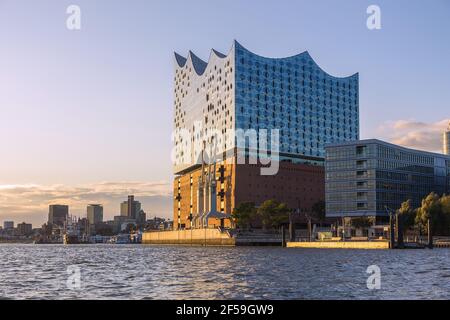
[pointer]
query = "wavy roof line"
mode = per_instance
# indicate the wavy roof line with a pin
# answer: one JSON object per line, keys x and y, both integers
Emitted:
{"x": 200, "y": 65}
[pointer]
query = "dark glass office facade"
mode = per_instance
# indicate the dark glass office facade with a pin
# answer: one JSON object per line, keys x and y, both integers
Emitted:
{"x": 364, "y": 177}
{"x": 310, "y": 107}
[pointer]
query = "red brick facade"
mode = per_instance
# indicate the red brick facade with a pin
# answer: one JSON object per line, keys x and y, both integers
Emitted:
{"x": 297, "y": 185}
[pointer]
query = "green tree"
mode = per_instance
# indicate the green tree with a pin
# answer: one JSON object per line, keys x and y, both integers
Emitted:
{"x": 244, "y": 214}
{"x": 445, "y": 216}
{"x": 430, "y": 209}
{"x": 273, "y": 213}
{"x": 407, "y": 215}
{"x": 362, "y": 222}
{"x": 445, "y": 204}
{"x": 318, "y": 211}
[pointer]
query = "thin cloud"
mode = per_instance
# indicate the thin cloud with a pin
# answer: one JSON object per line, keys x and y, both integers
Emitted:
{"x": 415, "y": 134}
{"x": 30, "y": 202}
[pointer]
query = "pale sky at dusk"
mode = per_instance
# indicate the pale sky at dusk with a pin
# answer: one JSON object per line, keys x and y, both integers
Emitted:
{"x": 86, "y": 116}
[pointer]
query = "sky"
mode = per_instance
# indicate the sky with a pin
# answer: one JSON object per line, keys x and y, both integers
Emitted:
{"x": 86, "y": 115}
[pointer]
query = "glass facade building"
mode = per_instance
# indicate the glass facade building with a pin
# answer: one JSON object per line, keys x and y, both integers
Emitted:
{"x": 242, "y": 90}
{"x": 308, "y": 106}
{"x": 364, "y": 177}
{"x": 244, "y": 94}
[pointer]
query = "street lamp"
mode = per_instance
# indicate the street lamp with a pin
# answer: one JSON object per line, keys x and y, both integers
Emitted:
{"x": 291, "y": 226}
{"x": 308, "y": 218}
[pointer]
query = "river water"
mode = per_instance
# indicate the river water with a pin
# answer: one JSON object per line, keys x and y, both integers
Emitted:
{"x": 170, "y": 272}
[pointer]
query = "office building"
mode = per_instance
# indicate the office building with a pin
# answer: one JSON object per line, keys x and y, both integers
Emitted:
{"x": 8, "y": 225}
{"x": 237, "y": 95}
{"x": 120, "y": 223}
{"x": 24, "y": 229}
{"x": 365, "y": 177}
{"x": 130, "y": 208}
{"x": 58, "y": 214}
{"x": 142, "y": 217}
{"x": 95, "y": 213}
{"x": 124, "y": 209}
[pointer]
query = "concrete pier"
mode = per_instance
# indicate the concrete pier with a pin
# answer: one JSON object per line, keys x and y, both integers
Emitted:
{"x": 198, "y": 237}
{"x": 213, "y": 237}
{"x": 340, "y": 245}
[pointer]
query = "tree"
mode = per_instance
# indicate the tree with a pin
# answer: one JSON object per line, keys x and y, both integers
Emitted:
{"x": 244, "y": 214}
{"x": 318, "y": 211}
{"x": 273, "y": 213}
{"x": 445, "y": 204}
{"x": 362, "y": 222}
{"x": 407, "y": 215}
{"x": 430, "y": 210}
{"x": 444, "y": 215}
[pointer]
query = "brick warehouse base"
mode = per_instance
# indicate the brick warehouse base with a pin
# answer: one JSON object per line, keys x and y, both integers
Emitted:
{"x": 298, "y": 185}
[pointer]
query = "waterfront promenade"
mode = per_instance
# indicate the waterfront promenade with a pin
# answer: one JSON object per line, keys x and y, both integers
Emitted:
{"x": 213, "y": 237}
{"x": 223, "y": 237}
{"x": 201, "y": 237}
{"x": 339, "y": 245}
{"x": 232, "y": 237}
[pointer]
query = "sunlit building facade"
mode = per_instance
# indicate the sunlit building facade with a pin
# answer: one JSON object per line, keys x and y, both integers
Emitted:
{"x": 446, "y": 141}
{"x": 94, "y": 213}
{"x": 130, "y": 208}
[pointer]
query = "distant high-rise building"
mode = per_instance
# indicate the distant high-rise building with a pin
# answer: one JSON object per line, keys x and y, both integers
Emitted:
{"x": 95, "y": 213}
{"x": 142, "y": 217}
{"x": 57, "y": 214}
{"x": 24, "y": 228}
{"x": 447, "y": 141}
{"x": 8, "y": 225}
{"x": 124, "y": 209}
{"x": 84, "y": 226}
{"x": 130, "y": 208}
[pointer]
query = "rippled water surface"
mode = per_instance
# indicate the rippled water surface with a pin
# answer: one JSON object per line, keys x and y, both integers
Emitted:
{"x": 164, "y": 272}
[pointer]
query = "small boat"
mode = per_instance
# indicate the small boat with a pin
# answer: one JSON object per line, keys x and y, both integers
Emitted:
{"x": 413, "y": 245}
{"x": 120, "y": 239}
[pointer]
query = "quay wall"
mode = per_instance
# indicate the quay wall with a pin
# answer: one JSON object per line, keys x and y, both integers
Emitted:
{"x": 340, "y": 245}
{"x": 200, "y": 237}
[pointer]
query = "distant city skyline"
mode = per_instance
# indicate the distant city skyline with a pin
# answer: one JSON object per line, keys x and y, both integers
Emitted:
{"x": 153, "y": 197}
{"x": 87, "y": 114}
